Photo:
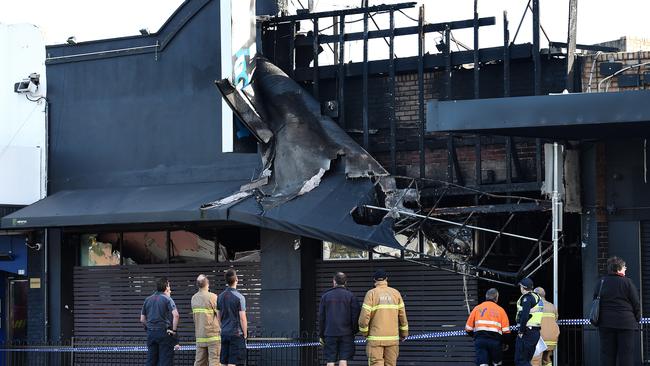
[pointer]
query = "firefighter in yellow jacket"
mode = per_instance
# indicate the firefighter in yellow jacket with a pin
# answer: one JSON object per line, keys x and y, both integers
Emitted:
{"x": 550, "y": 331}
{"x": 383, "y": 322}
{"x": 206, "y": 324}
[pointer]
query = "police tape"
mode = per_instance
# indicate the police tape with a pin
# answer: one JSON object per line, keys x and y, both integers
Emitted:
{"x": 270, "y": 345}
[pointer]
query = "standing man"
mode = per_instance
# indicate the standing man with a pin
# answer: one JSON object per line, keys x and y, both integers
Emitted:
{"x": 160, "y": 318}
{"x": 383, "y": 322}
{"x": 530, "y": 309}
{"x": 231, "y": 307}
{"x": 206, "y": 324}
{"x": 338, "y": 316}
{"x": 488, "y": 322}
{"x": 550, "y": 331}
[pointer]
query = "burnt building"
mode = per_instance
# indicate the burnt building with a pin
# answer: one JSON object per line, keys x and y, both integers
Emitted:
{"x": 450, "y": 144}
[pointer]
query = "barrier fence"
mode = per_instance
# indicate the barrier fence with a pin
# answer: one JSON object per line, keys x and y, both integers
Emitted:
{"x": 303, "y": 349}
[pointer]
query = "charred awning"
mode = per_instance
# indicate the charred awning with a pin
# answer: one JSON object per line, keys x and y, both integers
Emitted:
{"x": 566, "y": 116}
{"x": 324, "y": 213}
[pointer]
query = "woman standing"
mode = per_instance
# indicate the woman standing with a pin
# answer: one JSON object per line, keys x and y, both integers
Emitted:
{"x": 620, "y": 313}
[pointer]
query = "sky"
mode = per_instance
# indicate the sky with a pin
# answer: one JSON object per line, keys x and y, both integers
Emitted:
{"x": 598, "y": 20}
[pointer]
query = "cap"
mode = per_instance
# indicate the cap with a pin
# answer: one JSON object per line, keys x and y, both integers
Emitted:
{"x": 527, "y": 283}
{"x": 380, "y": 275}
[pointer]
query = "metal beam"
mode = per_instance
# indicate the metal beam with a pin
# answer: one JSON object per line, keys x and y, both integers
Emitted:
{"x": 404, "y": 31}
{"x": 571, "y": 41}
{"x": 492, "y": 209}
{"x": 391, "y": 87}
{"x": 537, "y": 62}
{"x": 335, "y": 13}
{"x": 410, "y": 64}
{"x": 585, "y": 47}
{"x": 421, "y": 106}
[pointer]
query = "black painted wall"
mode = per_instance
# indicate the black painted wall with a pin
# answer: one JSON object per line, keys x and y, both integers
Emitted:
{"x": 142, "y": 117}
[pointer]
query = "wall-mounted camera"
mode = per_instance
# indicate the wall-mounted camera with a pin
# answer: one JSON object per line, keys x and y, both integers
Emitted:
{"x": 29, "y": 85}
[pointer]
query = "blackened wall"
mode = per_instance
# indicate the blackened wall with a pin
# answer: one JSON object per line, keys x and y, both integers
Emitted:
{"x": 142, "y": 117}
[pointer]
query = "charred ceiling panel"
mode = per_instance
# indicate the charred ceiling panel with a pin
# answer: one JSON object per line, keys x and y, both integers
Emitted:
{"x": 304, "y": 142}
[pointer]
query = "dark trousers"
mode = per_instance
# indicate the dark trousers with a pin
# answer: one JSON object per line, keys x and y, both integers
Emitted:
{"x": 525, "y": 347}
{"x": 160, "y": 348}
{"x": 616, "y": 344}
{"x": 488, "y": 350}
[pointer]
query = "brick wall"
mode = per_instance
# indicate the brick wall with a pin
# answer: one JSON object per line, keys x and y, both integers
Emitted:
{"x": 591, "y": 70}
{"x": 408, "y": 122}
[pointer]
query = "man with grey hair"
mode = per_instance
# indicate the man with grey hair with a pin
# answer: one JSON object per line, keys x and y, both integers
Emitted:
{"x": 550, "y": 331}
{"x": 488, "y": 322}
{"x": 206, "y": 324}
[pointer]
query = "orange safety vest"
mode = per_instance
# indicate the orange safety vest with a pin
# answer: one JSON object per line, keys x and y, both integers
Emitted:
{"x": 488, "y": 317}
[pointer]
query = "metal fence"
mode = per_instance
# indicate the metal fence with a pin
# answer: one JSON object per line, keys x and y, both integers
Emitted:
{"x": 269, "y": 351}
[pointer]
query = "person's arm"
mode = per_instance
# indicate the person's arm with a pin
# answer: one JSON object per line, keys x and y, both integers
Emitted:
{"x": 366, "y": 314}
{"x": 242, "y": 316}
{"x": 175, "y": 318}
{"x": 244, "y": 323}
{"x": 469, "y": 325}
{"x": 597, "y": 288}
{"x": 527, "y": 304}
{"x": 321, "y": 317}
{"x": 633, "y": 296}
{"x": 143, "y": 315}
{"x": 403, "y": 321}
{"x": 355, "y": 311}
{"x": 143, "y": 319}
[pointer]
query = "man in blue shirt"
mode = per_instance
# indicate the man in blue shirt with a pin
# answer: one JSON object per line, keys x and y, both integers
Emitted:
{"x": 231, "y": 306}
{"x": 338, "y": 322}
{"x": 160, "y": 318}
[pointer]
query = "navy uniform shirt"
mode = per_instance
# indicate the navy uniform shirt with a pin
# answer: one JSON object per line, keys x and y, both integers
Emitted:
{"x": 229, "y": 303}
{"x": 158, "y": 309}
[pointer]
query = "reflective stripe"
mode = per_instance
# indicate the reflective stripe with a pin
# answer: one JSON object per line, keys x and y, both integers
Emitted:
{"x": 487, "y": 329}
{"x": 506, "y": 330}
{"x": 208, "y": 340}
{"x": 363, "y": 329}
{"x": 551, "y": 343}
{"x": 383, "y": 306}
{"x": 488, "y": 322}
{"x": 383, "y": 338}
{"x": 469, "y": 328}
{"x": 548, "y": 315}
{"x": 202, "y": 311}
{"x": 406, "y": 327}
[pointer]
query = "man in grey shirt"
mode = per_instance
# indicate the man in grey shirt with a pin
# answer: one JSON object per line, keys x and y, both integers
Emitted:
{"x": 231, "y": 306}
{"x": 160, "y": 318}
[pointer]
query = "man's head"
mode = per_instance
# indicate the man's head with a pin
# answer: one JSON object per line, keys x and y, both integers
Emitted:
{"x": 231, "y": 277}
{"x": 202, "y": 282}
{"x": 492, "y": 295}
{"x": 340, "y": 279}
{"x": 526, "y": 285}
{"x": 541, "y": 292}
{"x": 162, "y": 284}
{"x": 380, "y": 275}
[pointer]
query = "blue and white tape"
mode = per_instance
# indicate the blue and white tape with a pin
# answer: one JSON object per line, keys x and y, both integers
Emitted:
{"x": 271, "y": 345}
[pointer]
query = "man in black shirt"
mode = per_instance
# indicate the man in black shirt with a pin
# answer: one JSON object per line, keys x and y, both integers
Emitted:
{"x": 338, "y": 314}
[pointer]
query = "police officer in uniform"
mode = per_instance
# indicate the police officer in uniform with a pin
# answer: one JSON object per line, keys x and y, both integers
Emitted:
{"x": 530, "y": 309}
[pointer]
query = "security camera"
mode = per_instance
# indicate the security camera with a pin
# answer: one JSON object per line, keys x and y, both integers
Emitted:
{"x": 144, "y": 31}
{"x": 35, "y": 78}
{"x": 25, "y": 86}
{"x": 72, "y": 40}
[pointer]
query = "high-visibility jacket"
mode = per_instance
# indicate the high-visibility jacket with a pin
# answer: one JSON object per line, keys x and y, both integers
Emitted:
{"x": 383, "y": 316}
{"x": 206, "y": 322}
{"x": 488, "y": 317}
{"x": 536, "y": 311}
{"x": 550, "y": 331}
